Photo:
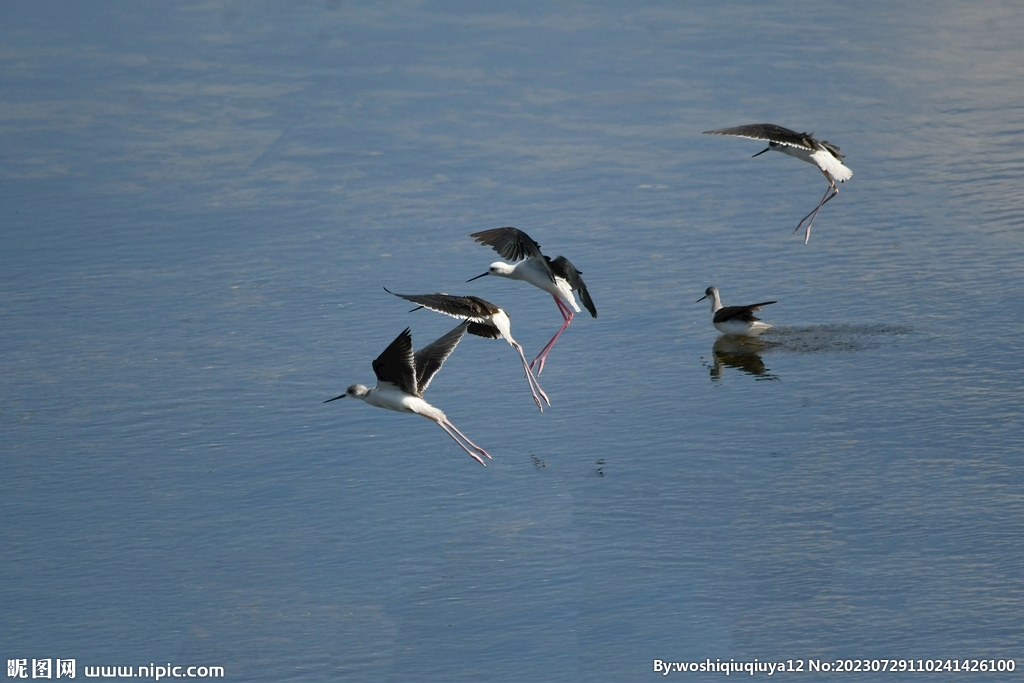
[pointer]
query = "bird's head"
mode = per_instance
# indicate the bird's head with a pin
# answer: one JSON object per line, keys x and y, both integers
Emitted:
{"x": 709, "y": 292}
{"x": 497, "y": 268}
{"x": 355, "y": 391}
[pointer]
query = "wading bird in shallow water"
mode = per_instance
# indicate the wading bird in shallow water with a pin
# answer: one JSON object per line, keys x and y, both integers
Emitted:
{"x": 403, "y": 376}
{"x": 557, "y": 277}
{"x": 803, "y": 146}
{"x": 485, "y": 320}
{"x": 735, "y": 321}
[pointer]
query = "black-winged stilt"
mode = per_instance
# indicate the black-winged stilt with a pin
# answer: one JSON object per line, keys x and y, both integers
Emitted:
{"x": 803, "y": 146}
{"x": 735, "y": 321}
{"x": 557, "y": 277}
{"x": 485, "y": 320}
{"x": 403, "y": 376}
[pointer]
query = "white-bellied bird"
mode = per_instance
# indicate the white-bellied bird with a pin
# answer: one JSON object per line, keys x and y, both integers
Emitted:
{"x": 735, "y": 321}
{"x": 804, "y": 146}
{"x": 485, "y": 320}
{"x": 558, "y": 277}
{"x": 403, "y": 376}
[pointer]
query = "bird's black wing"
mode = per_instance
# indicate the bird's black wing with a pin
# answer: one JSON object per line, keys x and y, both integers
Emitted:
{"x": 771, "y": 133}
{"x": 465, "y": 307}
{"x": 485, "y": 330}
{"x": 397, "y": 364}
{"x": 511, "y": 243}
{"x": 740, "y": 313}
{"x": 431, "y": 357}
{"x": 564, "y": 269}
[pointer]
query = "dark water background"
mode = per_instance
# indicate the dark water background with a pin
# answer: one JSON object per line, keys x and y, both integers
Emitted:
{"x": 200, "y": 204}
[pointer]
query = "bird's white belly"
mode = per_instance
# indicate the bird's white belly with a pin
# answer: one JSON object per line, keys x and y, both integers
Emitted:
{"x": 391, "y": 398}
{"x": 533, "y": 272}
{"x": 736, "y": 328}
{"x": 566, "y": 293}
{"x": 537, "y": 275}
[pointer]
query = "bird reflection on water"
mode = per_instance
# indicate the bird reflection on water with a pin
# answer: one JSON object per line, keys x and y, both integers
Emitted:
{"x": 741, "y": 353}
{"x": 745, "y": 353}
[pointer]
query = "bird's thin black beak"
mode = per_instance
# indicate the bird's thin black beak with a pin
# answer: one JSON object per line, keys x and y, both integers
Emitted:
{"x": 761, "y": 152}
{"x": 478, "y": 276}
{"x": 701, "y": 299}
{"x": 335, "y": 398}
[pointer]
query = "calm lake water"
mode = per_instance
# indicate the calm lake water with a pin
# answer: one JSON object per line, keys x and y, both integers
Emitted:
{"x": 201, "y": 202}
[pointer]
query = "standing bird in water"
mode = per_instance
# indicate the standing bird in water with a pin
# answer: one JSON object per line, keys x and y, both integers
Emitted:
{"x": 803, "y": 146}
{"x": 485, "y": 320}
{"x": 735, "y": 321}
{"x": 557, "y": 277}
{"x": 403, "y": 376}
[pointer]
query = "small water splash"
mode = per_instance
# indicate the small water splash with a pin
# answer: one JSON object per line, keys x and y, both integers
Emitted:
{"x": 832, "y": 338}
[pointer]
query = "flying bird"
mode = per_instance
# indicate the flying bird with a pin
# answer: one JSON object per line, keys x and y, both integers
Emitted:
{"x": 485, "y": 320}
{"x": 735, "y": 321}
{"x": 804, "y": 146}
{"x": 403, "y": 376}
{"x": 558, "y": 277}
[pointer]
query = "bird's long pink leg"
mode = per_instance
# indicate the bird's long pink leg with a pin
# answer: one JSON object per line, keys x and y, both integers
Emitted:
{"x": 567, "y": 317}
{"x": 468, "y": 440}
{"x": 814, "y": 214}
{"x": 534, "y": 384}
{"x": 471, "y": 454}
